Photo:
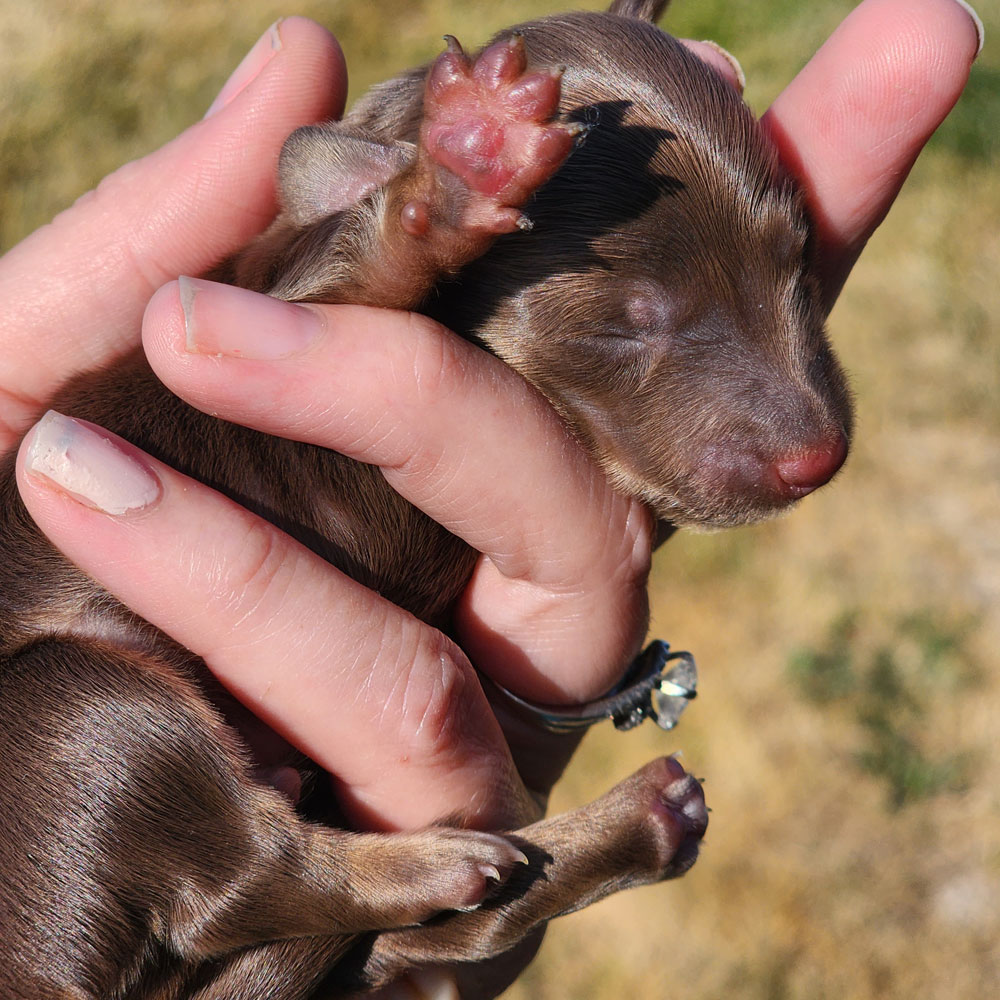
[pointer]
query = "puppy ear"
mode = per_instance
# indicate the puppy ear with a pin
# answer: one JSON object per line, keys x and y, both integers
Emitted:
{"x": 323, "y": 170}
{"x": 643, "y": 10}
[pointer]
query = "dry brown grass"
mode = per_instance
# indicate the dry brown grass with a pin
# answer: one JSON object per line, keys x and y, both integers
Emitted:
{"x": 848, "y": 725}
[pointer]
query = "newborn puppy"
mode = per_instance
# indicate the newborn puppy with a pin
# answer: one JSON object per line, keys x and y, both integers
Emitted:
{"x": 620, "y": 234}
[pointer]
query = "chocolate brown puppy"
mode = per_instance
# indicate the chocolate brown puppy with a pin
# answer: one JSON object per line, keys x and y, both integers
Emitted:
{"x": 621, "y": 234}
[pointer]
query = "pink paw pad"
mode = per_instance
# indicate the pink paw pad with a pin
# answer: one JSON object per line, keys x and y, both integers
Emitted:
{"x": 678, "y": 810}
{"x": 489, "y": 123}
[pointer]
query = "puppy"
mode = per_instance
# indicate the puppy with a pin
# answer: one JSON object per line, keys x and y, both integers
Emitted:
{"x": 619, "y": 233}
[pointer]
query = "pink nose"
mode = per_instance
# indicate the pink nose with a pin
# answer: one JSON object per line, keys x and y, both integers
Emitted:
{"x": 809, "y": 469}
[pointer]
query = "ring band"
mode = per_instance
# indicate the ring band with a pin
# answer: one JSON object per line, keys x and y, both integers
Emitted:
{"x": 647, "y": 691}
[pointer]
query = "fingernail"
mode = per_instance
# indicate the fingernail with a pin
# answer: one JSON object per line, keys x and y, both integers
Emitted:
{"x": 227, "y": 321}
{"x": 89, "y": 466}
{"x": 741, "y": 77}
{"x": 253, "y": 62}
{"x": 977, "y": 21}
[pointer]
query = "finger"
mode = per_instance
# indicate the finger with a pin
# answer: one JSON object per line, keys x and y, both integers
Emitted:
{"x": 722, "y": 61}
{"x": 557, "y": 605}
{"x": 178, "y": 210}
{"x": 384, "y": 702}
{"x": 853, "y": 122}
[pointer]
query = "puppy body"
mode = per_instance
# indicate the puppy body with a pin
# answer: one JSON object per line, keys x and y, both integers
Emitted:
{"x": 663, "y": 302}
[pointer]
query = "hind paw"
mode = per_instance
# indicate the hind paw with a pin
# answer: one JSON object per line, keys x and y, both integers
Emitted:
{"x": 489, "y": 122}
{"x": 447, "y": 869}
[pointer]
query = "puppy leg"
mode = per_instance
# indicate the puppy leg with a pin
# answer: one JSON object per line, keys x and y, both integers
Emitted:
{"x": 487, "y": 142}
{"x": 644, "y": 830}
{"x": 133, "y": 834}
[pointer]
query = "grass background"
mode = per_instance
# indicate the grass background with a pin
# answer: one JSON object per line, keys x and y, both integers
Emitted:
{"x": 849, "y": 727}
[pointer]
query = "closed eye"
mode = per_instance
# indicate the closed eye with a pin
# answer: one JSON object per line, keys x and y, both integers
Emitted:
{"x": 617, "y": 337}
{"x": 622, "y": 357}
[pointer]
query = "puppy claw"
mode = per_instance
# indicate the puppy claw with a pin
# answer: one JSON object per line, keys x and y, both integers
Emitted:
{"x": 465, "y": 867}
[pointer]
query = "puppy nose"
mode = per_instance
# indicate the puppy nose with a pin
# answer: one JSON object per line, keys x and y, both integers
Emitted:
{"x": 807, "y": 470}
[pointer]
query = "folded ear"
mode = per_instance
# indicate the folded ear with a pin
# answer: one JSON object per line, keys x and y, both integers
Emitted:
{"x": 643, "y": 10}
{"x": 324, "y": 169}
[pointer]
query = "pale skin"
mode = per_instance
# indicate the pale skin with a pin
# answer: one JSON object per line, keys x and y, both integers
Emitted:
{"x": 557, "y": 604}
